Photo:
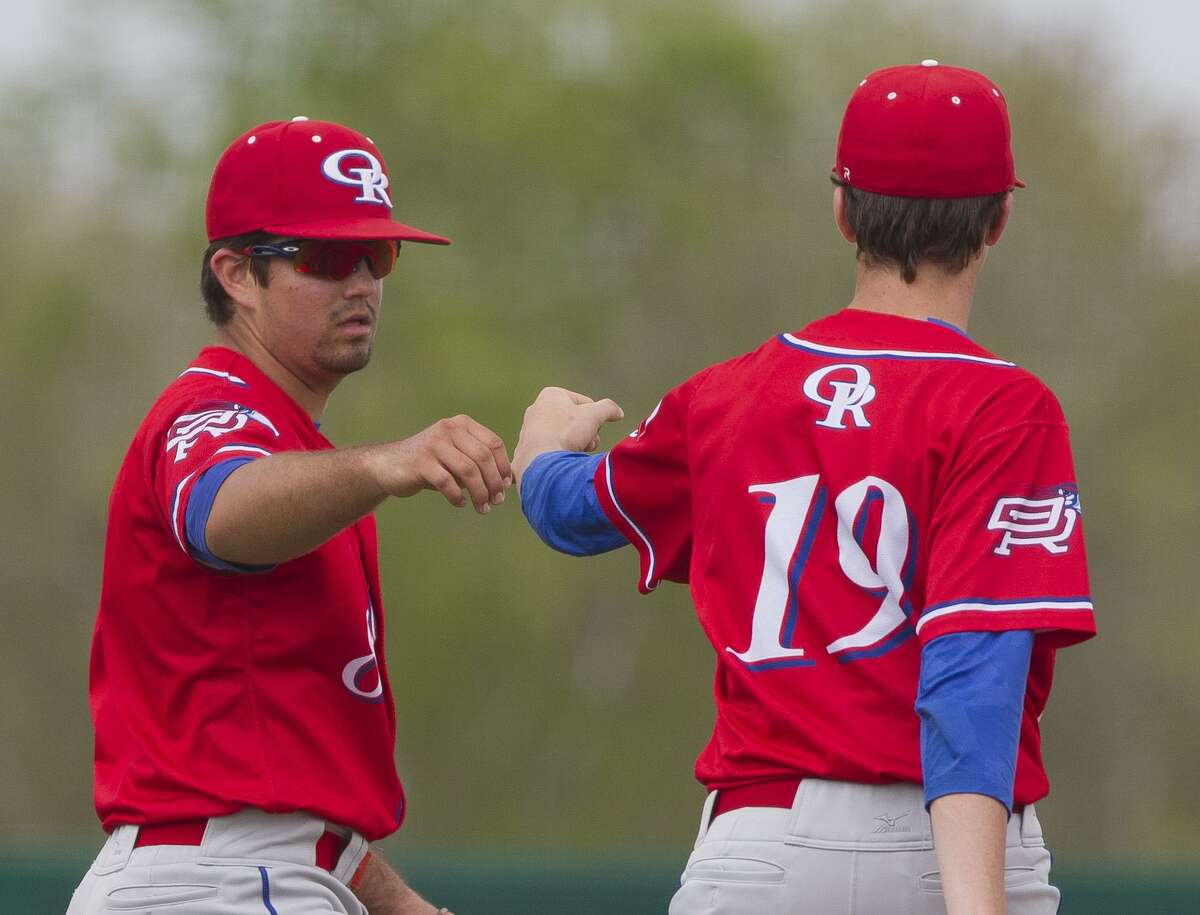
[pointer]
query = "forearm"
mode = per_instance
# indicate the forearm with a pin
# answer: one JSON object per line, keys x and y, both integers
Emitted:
{"x": 283, "y": 506}
{"x": 559, "y": 500}
{"x": 384, "y": 892}
{"x": 530, "y": 447}
{"x": 968, "y": 835}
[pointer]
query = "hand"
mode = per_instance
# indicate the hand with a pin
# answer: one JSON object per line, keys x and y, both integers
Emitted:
{"x": 561, "y": 420}
{"x": 458, "y": 457}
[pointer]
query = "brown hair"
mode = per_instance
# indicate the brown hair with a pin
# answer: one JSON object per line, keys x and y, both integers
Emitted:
{"x": 216, "y": 300}
{"x": 903, "y": 231}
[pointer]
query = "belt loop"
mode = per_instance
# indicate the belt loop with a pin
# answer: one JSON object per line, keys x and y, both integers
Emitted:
{"x": 356, "y": 849}
{"x": 705, "y": 817}
{"x": 114, "y": 856}
{"x": 1031, "y": 828}
{"x": 802, "y": 789}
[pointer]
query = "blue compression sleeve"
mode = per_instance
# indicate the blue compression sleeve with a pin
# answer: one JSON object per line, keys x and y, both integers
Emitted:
{"x": 199, "y": 507}
{"x": 559, "y": 500}
{"x": 970, "y": 699}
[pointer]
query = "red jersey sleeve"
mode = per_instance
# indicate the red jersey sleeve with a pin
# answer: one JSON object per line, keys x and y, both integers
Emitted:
{"x": 196, "y": 435}
{"x": 1006, "y": 540}
{"x": 644, "y": 487}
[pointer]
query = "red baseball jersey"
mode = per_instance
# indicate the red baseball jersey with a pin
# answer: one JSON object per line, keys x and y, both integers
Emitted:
{"x": 212, "y": 691}
{"x": 837, "y": 498}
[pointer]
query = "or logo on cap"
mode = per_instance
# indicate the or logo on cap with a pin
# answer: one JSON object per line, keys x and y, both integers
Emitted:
{"x": 370, "y": 180}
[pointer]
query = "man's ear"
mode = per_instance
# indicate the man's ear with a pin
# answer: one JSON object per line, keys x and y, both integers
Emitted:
{"x": 997, "y": 228}
{"x": 232, "y": 271}
{"x": 839, "y": 216}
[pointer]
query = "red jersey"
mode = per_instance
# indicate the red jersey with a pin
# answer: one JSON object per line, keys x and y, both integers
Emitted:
{"x": 837, "y": 498}
{"x": 213, "y": 691}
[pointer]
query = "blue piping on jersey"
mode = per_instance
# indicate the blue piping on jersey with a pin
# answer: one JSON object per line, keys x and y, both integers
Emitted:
{"x": 1008, "y": 600}
{"x": 954, "y": 327}
{"x": 842, "y": 352}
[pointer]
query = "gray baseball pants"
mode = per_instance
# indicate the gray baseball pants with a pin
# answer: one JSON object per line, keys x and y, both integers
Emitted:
{"x": 250, "y": 863}
{"x": 843, "y": 849}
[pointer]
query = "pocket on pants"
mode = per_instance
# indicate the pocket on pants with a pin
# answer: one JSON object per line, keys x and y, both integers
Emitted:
{"x": 727, "y": 869}
{"x": 157, "y": 896}
{"x": 1013, "y": 877}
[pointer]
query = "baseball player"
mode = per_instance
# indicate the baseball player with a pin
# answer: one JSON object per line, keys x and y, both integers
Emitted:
{"x": 244, "y": 722}
{"x": 880, "y": 526}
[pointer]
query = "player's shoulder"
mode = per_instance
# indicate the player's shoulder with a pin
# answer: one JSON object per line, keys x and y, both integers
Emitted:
{"x": 942, "y": 355}
{"x": 857, "y": 335}
{"x": 217, "y": 381}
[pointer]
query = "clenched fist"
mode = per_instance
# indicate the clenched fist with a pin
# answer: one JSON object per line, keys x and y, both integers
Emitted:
{"x": 561, "y": 420}
{"x": 458, "y": 457}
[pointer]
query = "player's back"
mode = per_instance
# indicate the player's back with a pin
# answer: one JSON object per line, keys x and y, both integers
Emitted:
{"x": 855, "y": 489}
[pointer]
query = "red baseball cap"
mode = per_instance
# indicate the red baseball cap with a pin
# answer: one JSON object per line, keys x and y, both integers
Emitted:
{"x": 927, "y": 131}
{"x": 307, "y": 179}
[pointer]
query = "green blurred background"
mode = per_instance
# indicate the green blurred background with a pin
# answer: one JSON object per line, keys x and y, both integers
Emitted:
{"x": 634, "y": 190}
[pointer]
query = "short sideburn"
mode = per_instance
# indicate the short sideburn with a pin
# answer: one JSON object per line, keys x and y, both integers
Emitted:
{"x": 902, "y": 232}
{"x": 217, "y": 303}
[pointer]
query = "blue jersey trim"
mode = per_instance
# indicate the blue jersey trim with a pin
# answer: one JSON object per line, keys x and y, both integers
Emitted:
{"x": 823, "y": 349}
{"x": 954, "y": 327}
{"x": 1007, "y": 601}
{"x": 199, "y": 507}
{"x": 558, "y": 497}
{"x": 970, "y": 700}
{"x": 266, "y": 891}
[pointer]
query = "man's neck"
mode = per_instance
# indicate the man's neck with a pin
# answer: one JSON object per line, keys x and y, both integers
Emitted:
{"x": 237, "y": 338}
{"x": 936, "y": 293}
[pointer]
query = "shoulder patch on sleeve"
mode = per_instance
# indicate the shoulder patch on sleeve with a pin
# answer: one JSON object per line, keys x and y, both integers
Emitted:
{"x": 1046, "y": 519}
{"x": 213, "y": 420}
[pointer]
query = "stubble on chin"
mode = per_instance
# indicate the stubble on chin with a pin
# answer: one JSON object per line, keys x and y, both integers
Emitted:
{"x": 344, "y": 360}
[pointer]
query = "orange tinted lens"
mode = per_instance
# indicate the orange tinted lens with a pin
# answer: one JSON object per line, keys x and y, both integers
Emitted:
{"x": 336, "y": 260}
{"x": 382, "y": 256}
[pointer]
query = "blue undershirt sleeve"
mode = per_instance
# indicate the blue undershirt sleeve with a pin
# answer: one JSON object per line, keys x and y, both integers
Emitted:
{"x": 970, "y": 701}
{"x": 559, "y": 500}
{"x": 199, "y": 507}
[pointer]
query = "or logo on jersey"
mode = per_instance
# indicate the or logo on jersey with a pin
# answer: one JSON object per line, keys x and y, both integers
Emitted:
{"x": 1046, "y": 522}
{"x": 188, "y": 429}
{"x": 369, "y": 179}
{"x": 641, "y": 429}
{"x": 358, "y": 673}
{"x": 845, "y": 397}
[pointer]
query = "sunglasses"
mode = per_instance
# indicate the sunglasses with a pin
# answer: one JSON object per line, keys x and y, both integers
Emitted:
{"x": 332, "y": 259}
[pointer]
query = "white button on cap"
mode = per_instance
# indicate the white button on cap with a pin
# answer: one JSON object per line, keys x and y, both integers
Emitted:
{"x": 929, "y": 62}
{"x": 300, "y": 117}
